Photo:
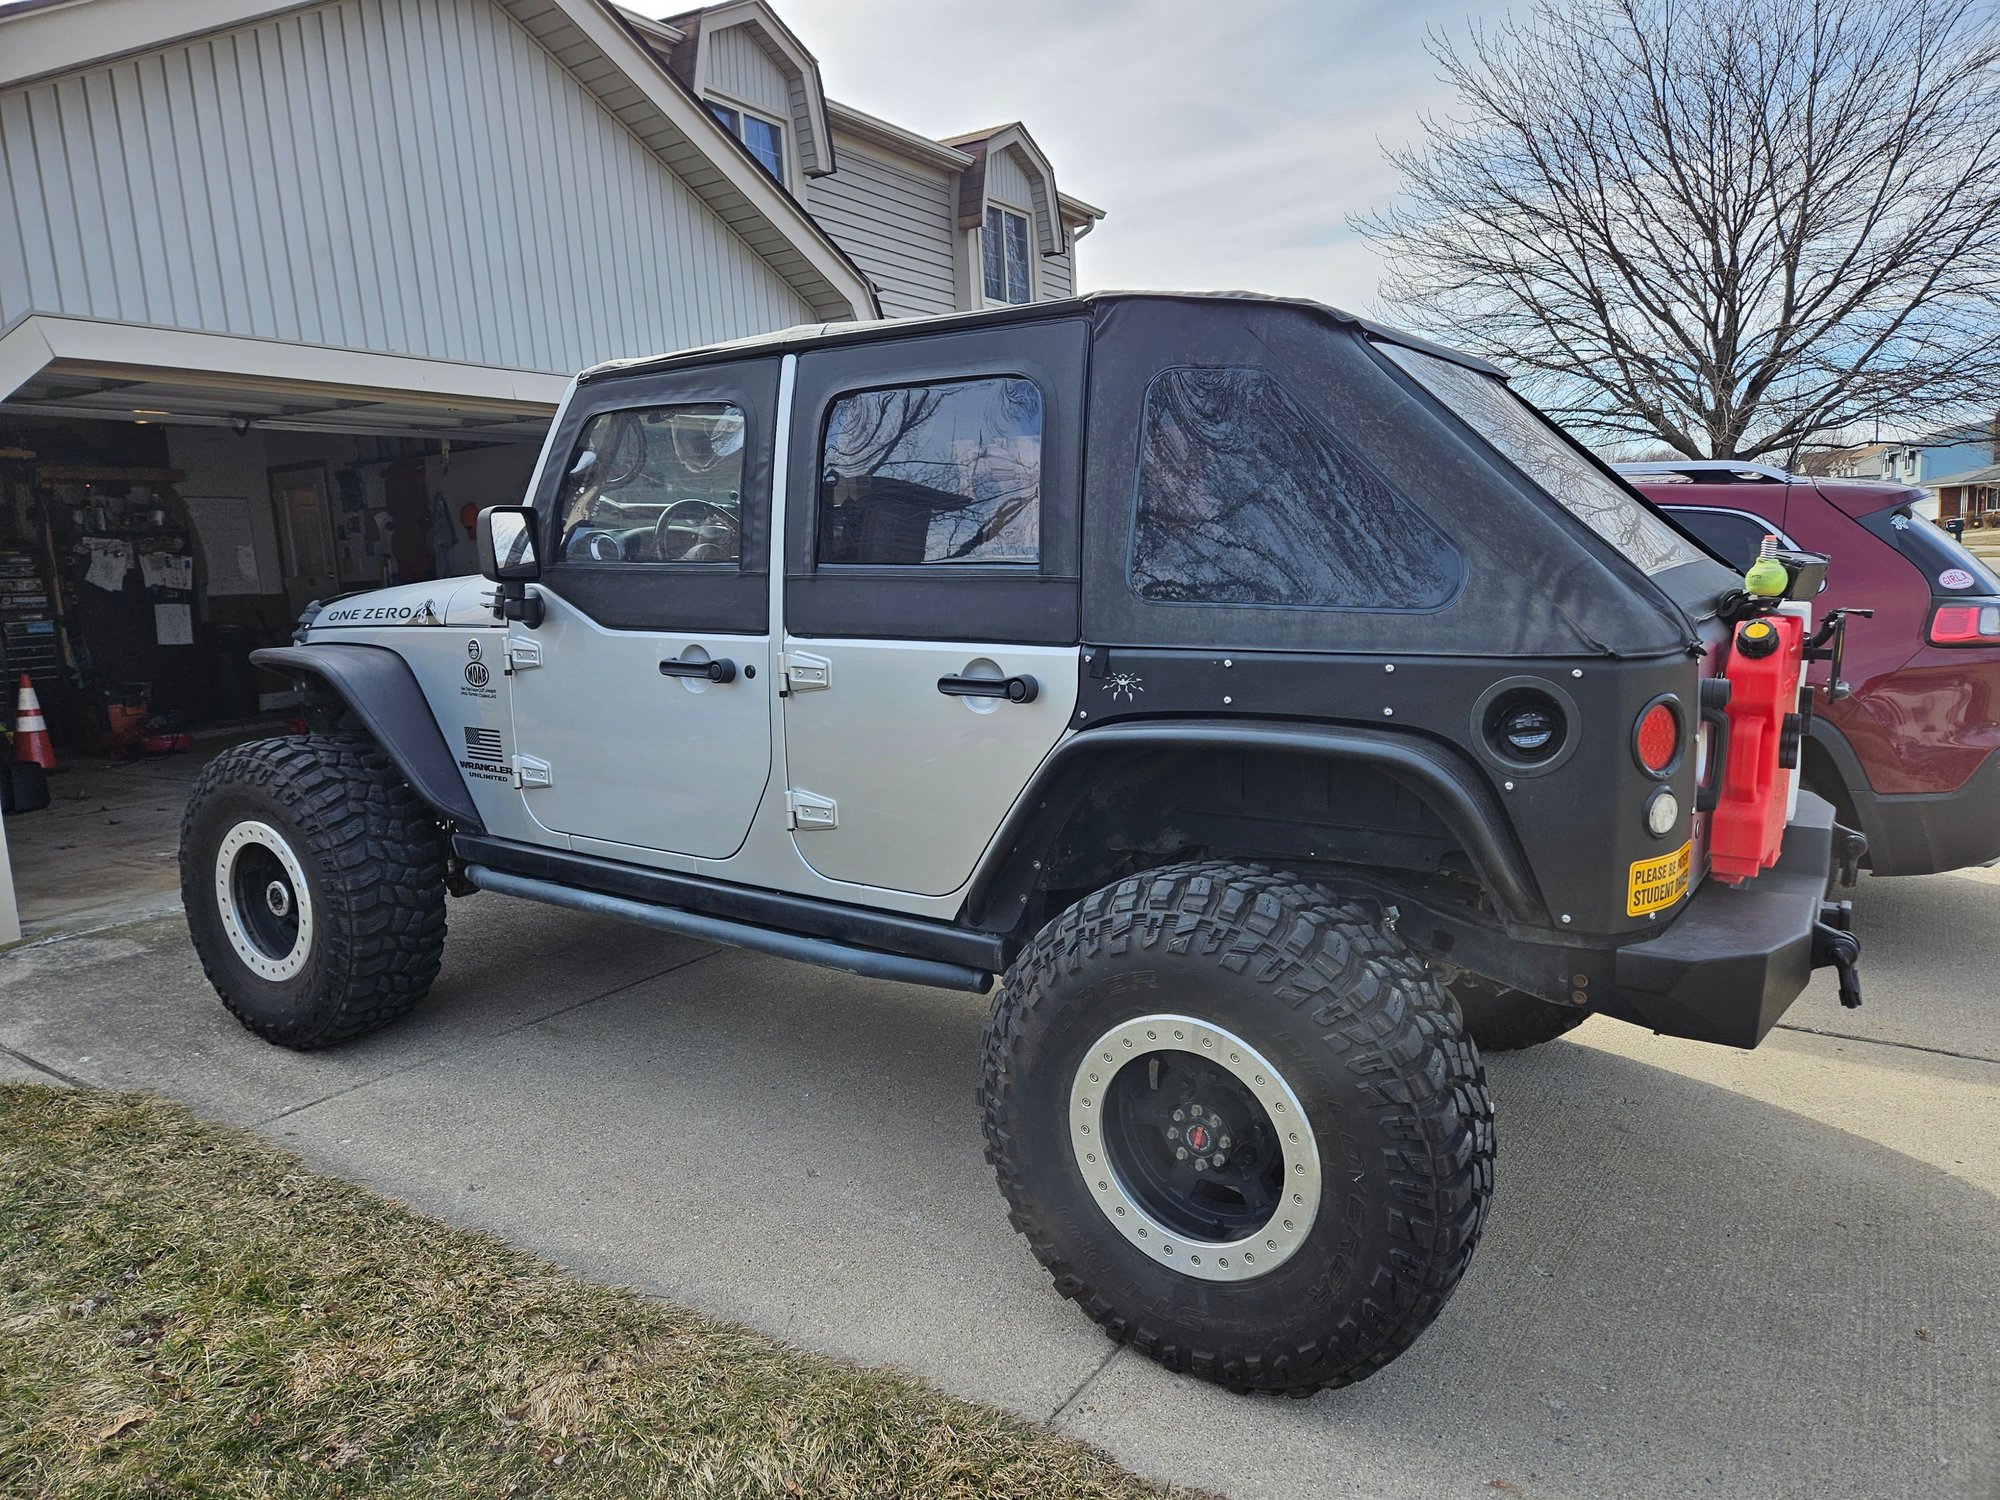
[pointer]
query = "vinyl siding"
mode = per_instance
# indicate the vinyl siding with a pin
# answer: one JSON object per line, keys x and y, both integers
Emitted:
{"x": 739, "y": 66}
{"x": 1058, "y": 277}
{"x": 407, "y": 176}
{"x": 1007, "y": 183}
{"x": 896, "y": 218}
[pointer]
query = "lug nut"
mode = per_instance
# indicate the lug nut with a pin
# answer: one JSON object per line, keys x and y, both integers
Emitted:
{"x": 1216, "y": 1160}
{"x": 1180, "y": 1153}
{"x": 1200, "y": 1165}
{"x": 1225, "y": 1147}
{"x": 1178, "y": 1115}
{"x": 1173, "y": 1132}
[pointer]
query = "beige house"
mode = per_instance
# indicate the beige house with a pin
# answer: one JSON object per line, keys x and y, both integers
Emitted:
{"x": 289, "y": 291}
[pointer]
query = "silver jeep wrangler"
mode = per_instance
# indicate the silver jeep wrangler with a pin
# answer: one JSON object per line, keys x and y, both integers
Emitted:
{"x": 1278, "y": 703}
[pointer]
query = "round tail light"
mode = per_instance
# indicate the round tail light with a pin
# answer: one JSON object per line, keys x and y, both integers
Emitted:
{"x": 1657, "y": 739}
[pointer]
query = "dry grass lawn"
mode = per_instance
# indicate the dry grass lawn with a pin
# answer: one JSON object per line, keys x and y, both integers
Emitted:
{"x": 185, "y": 1310}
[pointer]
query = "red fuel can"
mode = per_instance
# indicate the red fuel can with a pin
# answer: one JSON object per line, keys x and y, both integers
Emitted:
{"x": 1766, "y": 659}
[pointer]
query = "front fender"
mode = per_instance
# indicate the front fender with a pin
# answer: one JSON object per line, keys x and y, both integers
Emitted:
{"x": 379, "y": 688}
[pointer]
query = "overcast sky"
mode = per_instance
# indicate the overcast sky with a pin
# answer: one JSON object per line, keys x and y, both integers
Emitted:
{"x": 1228, "y": 141}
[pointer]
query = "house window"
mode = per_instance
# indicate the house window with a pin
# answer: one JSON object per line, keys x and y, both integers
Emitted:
{"x": 764, "y": 139}
{"x": 1004, "y": 248}
{"x": 930, "y": 474}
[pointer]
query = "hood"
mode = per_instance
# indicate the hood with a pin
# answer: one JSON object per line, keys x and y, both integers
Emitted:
{"x": 446, "y": 601}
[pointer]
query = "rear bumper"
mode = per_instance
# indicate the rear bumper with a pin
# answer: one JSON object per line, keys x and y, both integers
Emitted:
{"x": 1734, "y": 959}
{"x": 1925, "y": 833}
{"x": 1918, "y": 833}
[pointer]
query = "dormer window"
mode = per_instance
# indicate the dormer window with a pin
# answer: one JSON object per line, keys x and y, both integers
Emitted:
{"x": 764, "y": 138}
{"x": 1004, "y": 249}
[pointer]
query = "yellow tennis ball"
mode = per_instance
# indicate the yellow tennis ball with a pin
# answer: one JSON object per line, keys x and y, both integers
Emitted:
{"x": 1767, "y": 578}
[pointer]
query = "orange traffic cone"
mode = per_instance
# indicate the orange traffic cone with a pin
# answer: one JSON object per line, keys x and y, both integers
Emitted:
{"x": 31, "y": 730}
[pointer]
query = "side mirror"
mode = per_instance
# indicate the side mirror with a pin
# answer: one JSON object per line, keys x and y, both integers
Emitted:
{"x": 505, "y": 536}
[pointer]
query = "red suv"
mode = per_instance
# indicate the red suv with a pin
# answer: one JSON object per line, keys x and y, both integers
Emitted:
{"x": 1912, "y": 756}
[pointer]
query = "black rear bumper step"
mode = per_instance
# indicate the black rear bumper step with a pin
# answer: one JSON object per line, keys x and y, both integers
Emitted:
{"x": 1736, "y": 958}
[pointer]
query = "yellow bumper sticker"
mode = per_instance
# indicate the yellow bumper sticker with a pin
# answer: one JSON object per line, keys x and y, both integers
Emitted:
{"x": 1658, "y": 883}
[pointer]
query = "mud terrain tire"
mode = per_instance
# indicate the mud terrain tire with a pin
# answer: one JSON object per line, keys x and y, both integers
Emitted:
{"x": 1351, "y": 1025}
{"x": 313, "y": 881}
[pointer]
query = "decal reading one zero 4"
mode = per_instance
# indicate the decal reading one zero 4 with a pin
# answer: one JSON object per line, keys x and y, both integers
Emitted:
{"x": 1658, "y": 883}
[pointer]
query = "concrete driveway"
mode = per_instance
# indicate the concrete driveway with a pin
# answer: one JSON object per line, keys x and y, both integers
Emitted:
{"x": 1760, "y": 1275}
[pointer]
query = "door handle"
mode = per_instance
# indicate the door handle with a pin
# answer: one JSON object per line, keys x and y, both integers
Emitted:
{"x": 1021, "y": 689}
{"x": 722, "y": 669}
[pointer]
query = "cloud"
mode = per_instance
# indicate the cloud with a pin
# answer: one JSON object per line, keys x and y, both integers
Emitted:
{"x": 1228, "y": 143}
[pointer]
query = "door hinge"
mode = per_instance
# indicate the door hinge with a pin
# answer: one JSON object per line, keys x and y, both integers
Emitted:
{"x": 530, "y": 771}
{"x": 801, "y": 672}
{"x": 522, "y": 655}
{"x": 804, "y": 810}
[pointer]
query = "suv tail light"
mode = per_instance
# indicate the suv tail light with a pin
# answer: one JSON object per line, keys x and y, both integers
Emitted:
{"x": 1975, "y": 622}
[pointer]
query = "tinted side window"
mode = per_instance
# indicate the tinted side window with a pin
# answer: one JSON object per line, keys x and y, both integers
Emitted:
{"x": 1733, "y": 538}
{"x": 655, "y": 484}
{"x": 942, "y": 473}
{"x": 1245, "y": 497}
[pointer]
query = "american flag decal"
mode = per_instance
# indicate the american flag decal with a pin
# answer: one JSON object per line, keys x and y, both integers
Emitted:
{"x": 482, "y": 744}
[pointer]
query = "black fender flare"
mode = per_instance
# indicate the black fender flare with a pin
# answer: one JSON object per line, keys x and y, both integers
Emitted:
{"x": 378, "y": 686}
{"x": 1449, "y": 784}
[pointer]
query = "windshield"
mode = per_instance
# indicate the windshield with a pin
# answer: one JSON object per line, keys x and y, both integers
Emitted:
{"x": 1538, "y": 450}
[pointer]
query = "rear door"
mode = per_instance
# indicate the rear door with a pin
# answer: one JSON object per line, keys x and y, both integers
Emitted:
{"x": 931, "y": 607}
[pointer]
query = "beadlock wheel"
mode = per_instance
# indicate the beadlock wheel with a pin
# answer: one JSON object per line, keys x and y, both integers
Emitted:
{"x": 264, "y": 900}
{"x": 1195, "y": 1148}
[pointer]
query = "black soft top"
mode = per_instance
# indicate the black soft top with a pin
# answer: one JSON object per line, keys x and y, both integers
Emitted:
{"x": 1530, "y": 577}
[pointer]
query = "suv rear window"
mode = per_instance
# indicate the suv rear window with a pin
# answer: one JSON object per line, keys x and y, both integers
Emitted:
{"x": 1245, "y": 497}
{"x": 1537, "y": 449}
{"x": 1947, "y": 567}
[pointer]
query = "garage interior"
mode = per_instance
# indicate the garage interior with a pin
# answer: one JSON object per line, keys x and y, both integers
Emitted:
{"x": 156, "y": 526}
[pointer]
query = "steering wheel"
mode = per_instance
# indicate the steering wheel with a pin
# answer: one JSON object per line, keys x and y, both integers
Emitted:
{"x": 696, "y": 531}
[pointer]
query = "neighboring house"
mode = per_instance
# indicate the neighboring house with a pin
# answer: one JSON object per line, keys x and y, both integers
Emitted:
{"x": 1973, "y": 495}
{"x": 937, "y": 226}
{"x": 308, "y": 280}
{"x": 1925, "y": 461}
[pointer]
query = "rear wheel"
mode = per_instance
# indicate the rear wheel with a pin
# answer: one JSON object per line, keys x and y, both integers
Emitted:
{"x": 1504, "y": 1020}
{"x": 1237, "y": 1123}
{"x": 313, "y": 881}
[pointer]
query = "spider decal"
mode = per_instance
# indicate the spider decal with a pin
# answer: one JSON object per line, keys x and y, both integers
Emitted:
{"x": 1126, "y": 685}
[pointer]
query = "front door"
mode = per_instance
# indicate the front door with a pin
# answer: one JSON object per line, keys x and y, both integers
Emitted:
{"x": 642, "y": 702}
{"x": 931, "y": 595}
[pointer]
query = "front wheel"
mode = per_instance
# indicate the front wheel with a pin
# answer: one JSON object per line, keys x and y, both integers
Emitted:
{"x": 1237, "y": 1123}
{"x": 313, "y": 881}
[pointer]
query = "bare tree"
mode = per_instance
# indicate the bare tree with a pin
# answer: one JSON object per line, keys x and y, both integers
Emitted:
{"x": 1737, "y": 226}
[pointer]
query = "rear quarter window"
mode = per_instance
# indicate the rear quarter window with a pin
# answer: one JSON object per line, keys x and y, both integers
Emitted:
{"x": 1246, "y": 497}
{"x": 1539, "y": 450}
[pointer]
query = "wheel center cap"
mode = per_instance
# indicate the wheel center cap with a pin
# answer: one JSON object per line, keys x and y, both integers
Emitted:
{"x": 278, "y": 898}
{"x": 1198, "y": 1137}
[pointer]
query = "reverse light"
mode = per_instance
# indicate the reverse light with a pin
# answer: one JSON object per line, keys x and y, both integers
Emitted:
{"x": 1965, "y": 625}
{"x": 1656, "y": 739}
{"x": 1663, "y": 813}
